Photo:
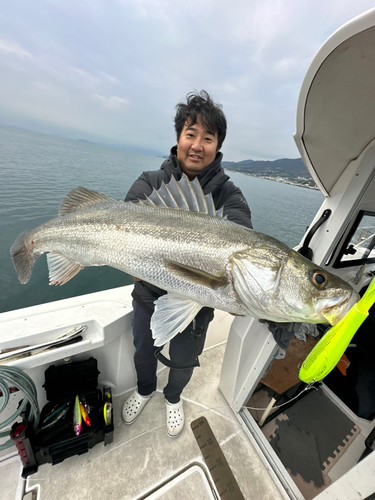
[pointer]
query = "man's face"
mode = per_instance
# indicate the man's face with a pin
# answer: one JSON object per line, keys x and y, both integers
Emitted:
{"x": 196, "y": 148}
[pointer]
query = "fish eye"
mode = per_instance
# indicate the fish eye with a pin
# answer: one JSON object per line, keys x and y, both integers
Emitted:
{"x": 319, "y": 278}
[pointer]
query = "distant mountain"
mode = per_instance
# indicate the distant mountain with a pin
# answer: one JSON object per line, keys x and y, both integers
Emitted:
{"x": 285, "y": 165}
{"x": 288, "y": 170}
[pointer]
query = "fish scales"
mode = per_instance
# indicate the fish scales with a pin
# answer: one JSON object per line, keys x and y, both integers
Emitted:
{"x": 137, "y": 239}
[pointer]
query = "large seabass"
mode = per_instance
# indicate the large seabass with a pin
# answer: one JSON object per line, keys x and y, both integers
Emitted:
{"x": 177, "y": 241}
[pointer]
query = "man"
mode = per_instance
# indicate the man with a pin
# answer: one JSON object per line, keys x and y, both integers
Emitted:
{"x": 200, "y": 126}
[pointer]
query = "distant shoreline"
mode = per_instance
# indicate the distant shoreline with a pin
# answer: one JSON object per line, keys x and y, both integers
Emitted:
{"x": 275, "y": 179}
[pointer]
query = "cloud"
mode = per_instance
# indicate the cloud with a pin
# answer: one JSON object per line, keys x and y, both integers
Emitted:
{"x": 108, "y": 78}
{"x": 89, "y": 63}
{"x": 14, "y": 48}
{"x": 83, "y": 77}
{"x": 111, "y": 102}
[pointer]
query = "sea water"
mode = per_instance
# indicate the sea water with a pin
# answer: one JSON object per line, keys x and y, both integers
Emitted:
{"x": 37, "y": 171}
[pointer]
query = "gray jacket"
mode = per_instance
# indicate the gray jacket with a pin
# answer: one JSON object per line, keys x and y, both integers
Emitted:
{"x": 213, "y": 180}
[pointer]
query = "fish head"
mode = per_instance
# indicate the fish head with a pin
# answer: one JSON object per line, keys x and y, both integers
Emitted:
{"x": 278, "y": 284}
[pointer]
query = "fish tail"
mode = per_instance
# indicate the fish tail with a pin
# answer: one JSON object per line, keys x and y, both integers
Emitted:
{"x": 23, "y": 257}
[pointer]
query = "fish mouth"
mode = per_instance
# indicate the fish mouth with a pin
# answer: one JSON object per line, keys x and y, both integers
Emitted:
{"x": 333, "y": 310}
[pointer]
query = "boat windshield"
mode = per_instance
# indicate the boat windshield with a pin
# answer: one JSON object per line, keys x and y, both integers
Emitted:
{"x": 359, "y": 247}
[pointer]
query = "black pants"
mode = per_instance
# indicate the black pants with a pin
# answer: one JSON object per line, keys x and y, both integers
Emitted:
{"x": 183, "y": 348}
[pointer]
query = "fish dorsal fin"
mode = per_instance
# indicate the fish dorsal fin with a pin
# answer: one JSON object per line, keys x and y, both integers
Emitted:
{"x": 184, "y": 195}
{"x": 220, "y": 213}
{"x": 79, "y": 197}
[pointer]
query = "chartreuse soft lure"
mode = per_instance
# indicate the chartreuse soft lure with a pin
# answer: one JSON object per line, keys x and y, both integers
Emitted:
{"x": 328, "y": 351}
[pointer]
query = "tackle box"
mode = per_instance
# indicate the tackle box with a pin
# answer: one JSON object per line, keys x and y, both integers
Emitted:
{"x": 57, "y": 441}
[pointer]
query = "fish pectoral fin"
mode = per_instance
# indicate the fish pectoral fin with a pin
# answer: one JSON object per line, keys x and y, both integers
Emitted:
{"x": 172, "y": 315}
{"x": 196, "y": 276}
{"x": 61, "y": 269}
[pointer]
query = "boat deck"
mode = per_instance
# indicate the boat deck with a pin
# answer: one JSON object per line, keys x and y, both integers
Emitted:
{"x": 143, "y": 462}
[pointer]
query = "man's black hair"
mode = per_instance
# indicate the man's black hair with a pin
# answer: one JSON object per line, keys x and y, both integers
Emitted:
{"x": 200, "y": 105}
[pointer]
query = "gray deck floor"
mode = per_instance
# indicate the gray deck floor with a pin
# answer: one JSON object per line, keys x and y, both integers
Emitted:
{"x": 142, "y": 458}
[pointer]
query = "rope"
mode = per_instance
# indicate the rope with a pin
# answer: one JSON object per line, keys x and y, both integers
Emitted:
{"x": 15, "y": 377}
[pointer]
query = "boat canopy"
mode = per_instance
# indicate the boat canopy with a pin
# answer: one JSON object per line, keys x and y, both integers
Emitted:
{"x": 336, "y": 107}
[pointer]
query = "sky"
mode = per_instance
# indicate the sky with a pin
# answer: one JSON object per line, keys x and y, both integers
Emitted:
{"x": 112, "y": 71}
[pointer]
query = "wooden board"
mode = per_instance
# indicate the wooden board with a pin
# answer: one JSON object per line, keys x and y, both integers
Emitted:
{"x": 283, "y": 373}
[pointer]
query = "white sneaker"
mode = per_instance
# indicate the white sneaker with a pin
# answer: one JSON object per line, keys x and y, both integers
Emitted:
{"x": 175, "y": 418}
{"x": 133, "y": 407}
